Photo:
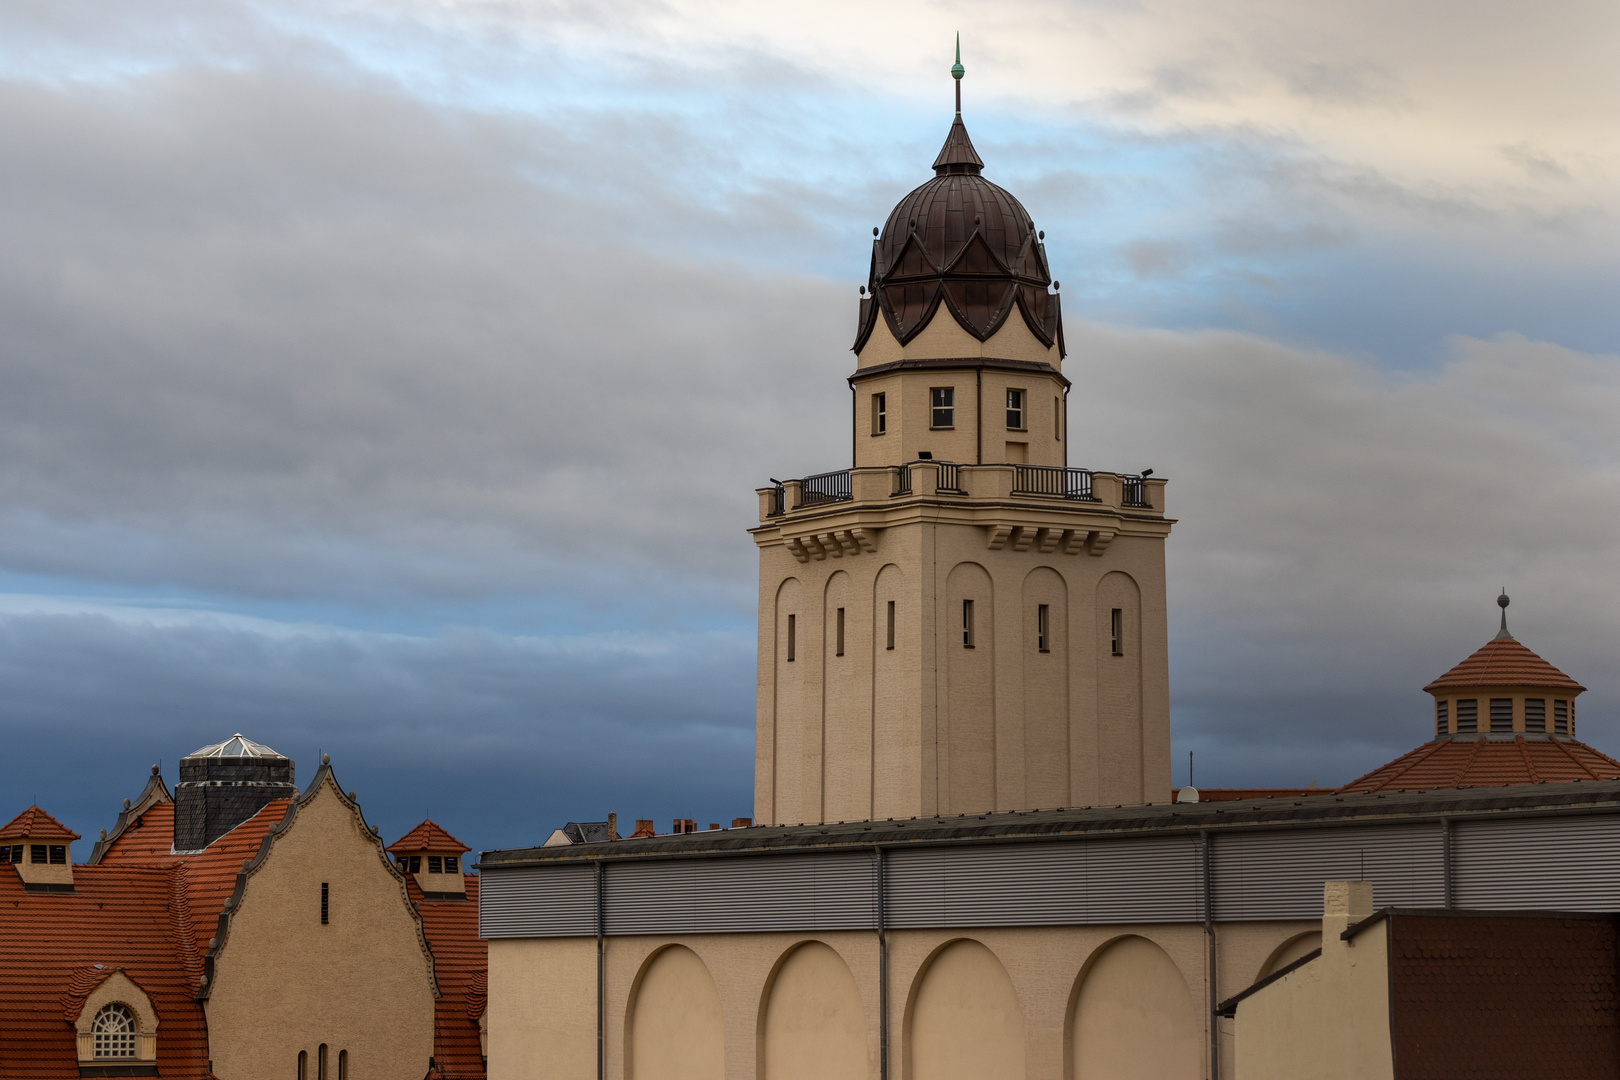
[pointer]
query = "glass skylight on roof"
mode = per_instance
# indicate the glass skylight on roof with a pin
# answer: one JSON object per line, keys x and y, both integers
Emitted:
{"x": 237, "y": 745}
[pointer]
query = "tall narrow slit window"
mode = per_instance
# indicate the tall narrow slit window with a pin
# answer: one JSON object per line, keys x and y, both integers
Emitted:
{"x": 942, "y": 413}
{"x": 325, "y": 910}
{"x": 1043, "y": 627}
{"x": 891, "y": 626}
{"x": 1442, "y": 726}
{"x": 967, "y": 624}
{"x": 1015, "y": 410}
{"x": 840, "y": 641}
{"x": 320, "y": 1062}
{"x": 1535, "y": 714}
{"x": 1116, "y": 631}
{"x": 1501, "y": 714}
{"x": 303, "y": 1065}
{"x": 793, "y": 634}
{"x": 880, "y": 413}
{"x": 343, "y": 1065}
{"x": 1561, "y": 717}
{"x": 1467, "y": 714}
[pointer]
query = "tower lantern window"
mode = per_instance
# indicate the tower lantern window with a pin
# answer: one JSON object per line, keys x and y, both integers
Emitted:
{"x": 1015, "y": 410}
{"x": 943, "y": 400}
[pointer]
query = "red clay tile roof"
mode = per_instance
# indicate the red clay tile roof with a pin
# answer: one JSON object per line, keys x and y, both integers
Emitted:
{"x": 1504, "y": 662}
{"x": 1503, "y": 997}
{"x": 1455, "y": 763}
{"x": 211, "y": 873}
{"x": 34, "y": 823}
{"x": 129, "y": 917}
{"x": 426, "y": 837}
{"x": 461, "y": 964}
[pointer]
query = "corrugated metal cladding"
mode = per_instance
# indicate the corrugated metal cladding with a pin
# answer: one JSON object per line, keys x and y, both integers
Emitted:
{"x": 1279, "y": 875}
{"x": 538, "y": 901}
{"x": 835, "y": 891}
{"x": 1562, "y": 864}
{"x": 1050, "y": 884}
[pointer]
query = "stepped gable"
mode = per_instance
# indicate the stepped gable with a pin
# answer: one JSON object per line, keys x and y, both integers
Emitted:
{"x": 460, "y": 964}
{"x": 35, "y": 824}
{"x": 1454, "y": 763}
{"x": 426, "y": 837}
{"x": 60, "y": 947}
{"x": 1502, "y": 661}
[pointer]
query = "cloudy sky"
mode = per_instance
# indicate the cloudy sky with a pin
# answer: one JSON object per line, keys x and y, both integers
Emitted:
{"x": 393, "y": 379}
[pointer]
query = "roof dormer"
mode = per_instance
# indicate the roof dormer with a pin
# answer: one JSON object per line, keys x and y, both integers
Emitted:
{"x": 433, "y": 858}
{"x": 39, "y": 848}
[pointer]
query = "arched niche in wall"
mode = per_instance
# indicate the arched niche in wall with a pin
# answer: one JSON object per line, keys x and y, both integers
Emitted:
{"x": 811, "y": 1023}
{"x": 1295, "y": 948}
{"x": 967, "y": 640}
{"x": 846, "y": 738}
{"x": 1119, "y": 690}
{"x": 789, "y": 784}
{"x": 963, "y": 1021}
{"x": 676, "y": 1028}
{"x": 1045, "y": 633}
{"x": 1132, "y": 1017}
{"x": 894, "y": 697}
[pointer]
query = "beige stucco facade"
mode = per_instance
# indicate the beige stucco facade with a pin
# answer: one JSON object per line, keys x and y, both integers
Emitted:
{"x": 284, "y": 981}
{"x": 1064, "y": 1003}
{"x": 1328, "y": 1019}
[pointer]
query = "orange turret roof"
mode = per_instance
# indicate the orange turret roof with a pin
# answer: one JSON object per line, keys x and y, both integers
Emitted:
{"x": 35, "y": 824}
{"x": 1502, "y": 661}
{"x": 426, "y": 837}
{"x": 1483, "y": 762}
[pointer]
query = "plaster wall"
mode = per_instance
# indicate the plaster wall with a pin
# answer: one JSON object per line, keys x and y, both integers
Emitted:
{"x": 944, "y": 338}
{"x": 284, "y": 982}
{"x": 908, "y": 403}
{"x": 794, "y": 1005}
{"x": 932, "y": 727}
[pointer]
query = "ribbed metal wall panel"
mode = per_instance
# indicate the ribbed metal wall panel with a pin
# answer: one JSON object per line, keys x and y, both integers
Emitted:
{"x": 1564, "y": 864}
{"x": 1279, "y": 875}
{"x": 537, "y": 901}
{"x": 1158, "y": 879}
{"x": 833, "y": 891}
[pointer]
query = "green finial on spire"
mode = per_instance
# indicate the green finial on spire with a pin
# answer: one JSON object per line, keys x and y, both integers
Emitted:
{"x": 957, "y": 70}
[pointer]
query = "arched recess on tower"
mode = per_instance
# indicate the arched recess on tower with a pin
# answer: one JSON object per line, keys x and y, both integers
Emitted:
{"x": 1132, "y": 1017}
{"x": 676, "y": 1029}
{"x": 1044, "y": 620}
{"x": 1119, "y": 691}
{"x": 967, "y": 767}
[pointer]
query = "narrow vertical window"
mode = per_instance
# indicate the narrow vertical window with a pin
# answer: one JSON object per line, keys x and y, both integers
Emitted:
{"x": 967, "y": 624}
{"x": 434, "y": 864}
{"x": 36, "y": 852}
{"x": 452, "y": 864}
{"x": 1116, "y": 627}
{"x": 943, "y": 411}
{"x": 1043, "y": 626}
{"x": 1535, "y": 714}
{"x": 1057, "y": 418}
{"x": 793, "y": 628}
{"x": 1467, "y": 715}
{"x": 880, "y": 413}
{"x": 1015, "y": 410}
{"x": 320, "y": 1062}
{"x": 303, "y": 1065}
{"x": 343, "y": 1065}
{"x": 1501, "y": 714}
{"x": 324, "y": 912}
{"x": 891, "y": 625}
{"x": 1441, "y": 725}
{"x": 1561, "y": 717}
{"x": 840, "y": 649}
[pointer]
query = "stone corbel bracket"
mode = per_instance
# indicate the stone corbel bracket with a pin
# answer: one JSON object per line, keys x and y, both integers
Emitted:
{"x": 1047, "y": 540}
{"x": 835, "y": 544}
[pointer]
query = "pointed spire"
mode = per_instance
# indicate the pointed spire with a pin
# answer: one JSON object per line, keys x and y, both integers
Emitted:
{"x": 957, "y": 71}
{"x": 1502, "y": 602}
{"x": 958, "y": 155}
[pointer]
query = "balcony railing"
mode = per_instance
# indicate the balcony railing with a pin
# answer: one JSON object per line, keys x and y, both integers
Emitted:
{"x": 778, "y": 500}
{"x": 1055, "y": 482}
{"x": 950, "y": 476}
{"x": 902, "y": 480}
{"x": 1133, "y": 491}
{"x": 824, "y": 488}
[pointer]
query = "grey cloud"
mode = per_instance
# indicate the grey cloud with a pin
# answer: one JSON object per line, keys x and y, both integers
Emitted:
{"x": 1348, "y": 84}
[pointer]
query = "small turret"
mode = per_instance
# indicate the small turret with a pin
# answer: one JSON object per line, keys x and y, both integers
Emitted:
{"x": 433, "y": 858}
{"x": 39, "y": 848}
{"x": 223, "y": 785}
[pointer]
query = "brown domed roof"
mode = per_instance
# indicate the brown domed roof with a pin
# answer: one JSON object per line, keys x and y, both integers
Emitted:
{"x": 1504, "y": 662}
{"x": 963, "y": 242}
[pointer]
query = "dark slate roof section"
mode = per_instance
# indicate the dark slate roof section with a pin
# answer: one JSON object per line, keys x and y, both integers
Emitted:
{"x": 1382, "y": 807}
{"x": 588, "y": 832}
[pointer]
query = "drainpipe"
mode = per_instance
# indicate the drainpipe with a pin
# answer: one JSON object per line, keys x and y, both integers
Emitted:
{"x": 883, "y": 975}
{"x": 1209, "y": 937}
{"x": 601, "y": 977}
{"x": 978, "y": 394}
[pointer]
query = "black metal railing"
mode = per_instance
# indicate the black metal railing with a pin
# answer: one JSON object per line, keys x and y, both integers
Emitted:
{"x": 950, "y": 476}
{"x": 1133, "y": 492}
{"x": 1053, "y": 481}
{"x": 824, "y": 488}
{"x": 778, "y": 500}
{"x": 902, "y": 481}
